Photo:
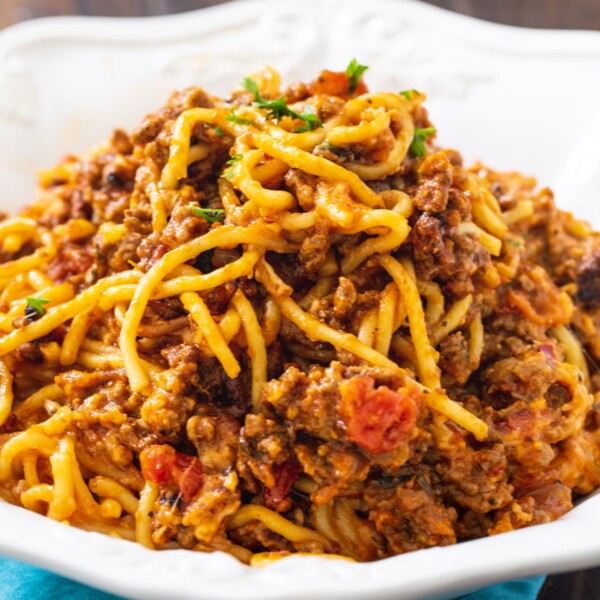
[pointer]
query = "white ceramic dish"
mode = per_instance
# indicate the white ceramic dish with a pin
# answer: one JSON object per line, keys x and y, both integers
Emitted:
{"x": 518, "y": 99}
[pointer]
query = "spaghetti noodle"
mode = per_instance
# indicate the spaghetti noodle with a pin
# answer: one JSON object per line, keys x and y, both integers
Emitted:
{"x": 288, "y": 322}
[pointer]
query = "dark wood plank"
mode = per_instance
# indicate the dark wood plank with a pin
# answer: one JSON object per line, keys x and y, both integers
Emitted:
{"x": 582, "y": 585}
{"x": 574, "y": 14}
{"x": 557, "y": 14}
{"x": 13, "y": 11}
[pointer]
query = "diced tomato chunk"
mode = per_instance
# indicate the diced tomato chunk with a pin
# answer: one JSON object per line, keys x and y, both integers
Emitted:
{"x": 286, "y": 475}
{"x": 523, "y": 421}
{"x": 190, "y": 480}
{"x": 548, "y": 350}
{"x": 157, "y": 463}
{"x": 335, "y": 83}
{"x": 162, "y": 464}
{"x": 377, "y": 419}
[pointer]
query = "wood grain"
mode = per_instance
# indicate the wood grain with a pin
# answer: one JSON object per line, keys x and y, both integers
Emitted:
{"x": 559, "y": 14}
{"x": 553, "y": 14}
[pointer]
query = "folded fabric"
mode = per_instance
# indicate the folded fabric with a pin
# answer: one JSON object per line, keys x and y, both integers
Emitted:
{"x": 22, "y": 582}
{"x": 518, "y": 589}
{"x": 19, "y": 581}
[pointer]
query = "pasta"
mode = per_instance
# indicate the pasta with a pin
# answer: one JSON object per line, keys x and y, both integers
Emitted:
{"x": 288, "y": 322}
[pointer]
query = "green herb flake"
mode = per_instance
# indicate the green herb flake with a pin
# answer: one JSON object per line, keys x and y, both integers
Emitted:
{"x": 278, "y": 108}
{"x": 409, "y": 93}
{"x": 37, "y": 305}
{"x": 311, "y": 121}
{"x": 417, "y": 146}
{"x": 329, "y": 147}
{"x": 355, "y": 71}
{"x": 234, "y": 159}
{"x": 235, "y": 119}
{"x": 251, "y": 86}
{"x": 228, "y": 174}
{"x": 210, "y": 215}
{"x": 515, "y": 243}
{"x": 219, "y": 132}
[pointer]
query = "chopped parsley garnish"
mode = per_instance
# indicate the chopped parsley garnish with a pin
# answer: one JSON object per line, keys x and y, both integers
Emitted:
{"x": 210, "y": 215}
{"x": 329, "y": 147}
{"x": 235, "y": 119}
{"x": 417, "y": 146}
{"x": 311, "y": 120}
{"x": 252, "y": 87}
{"x": 354, "y": 71}
{"x": 277, "y": 109}
{"x": 219, "y": 132}
{"x": 35, "y": 305}
{"x": 408, "y": 93}
{"x": 234, "y": 159}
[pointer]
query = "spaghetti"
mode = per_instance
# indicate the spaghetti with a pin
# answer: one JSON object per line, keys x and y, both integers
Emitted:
{"x": 287, "y": 322}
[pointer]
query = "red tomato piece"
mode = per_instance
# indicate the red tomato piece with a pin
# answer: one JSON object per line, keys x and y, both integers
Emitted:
{"x": 190, "y": 480}
{"x": 162, "y": 464}
{"x": 523, "y": 421}
{"x": 157, "y": 463}
{"x": 286, "y": 475}
{"x": 335, "y": 83}
{"x": 548, "y": 350}
{"x": 377, "y": 419}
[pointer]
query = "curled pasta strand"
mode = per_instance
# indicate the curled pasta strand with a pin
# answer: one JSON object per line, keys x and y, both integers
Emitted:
{"x": 271, "y": 320}
{"x": 211, "y": 332}
{"x": 225, "y": 236}
{"x": 269, "y": 202}
{"x": 15, "y": 232}
{"x": 333, "y": 201}
{"x": 6, "y": 390}
{"x": 374, "y": 111}
{"x": 275, "y": 522}
{"x": 311, "y": 326}
{"x": 397, "y": 231}
{"x": 257, "y": 348}
{"x": 38, "y": 437}
{"x": 425, "y": 353}
{"x": 316, "y": 165}
{"x": 176, "y": 167}
{"x": 109, "y": 488}
{"x": 368, "y": 328}
{"x": 143, "y": 519}
{"x": 386, "y": 315}
{"x": 573, "y": 350}
{"x": 453, "y": 319}
{"x": 63, "y": 503}
{"x": 45, "y": 253}
{"x": 493, "y": 244}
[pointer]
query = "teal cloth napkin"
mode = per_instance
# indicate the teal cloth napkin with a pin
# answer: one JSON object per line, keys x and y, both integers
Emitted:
{"x": 518, "y": 589}
{"x": 22, "y": 582}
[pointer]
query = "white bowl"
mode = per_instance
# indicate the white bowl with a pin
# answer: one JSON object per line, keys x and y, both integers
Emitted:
{"x": 516, "y": 99}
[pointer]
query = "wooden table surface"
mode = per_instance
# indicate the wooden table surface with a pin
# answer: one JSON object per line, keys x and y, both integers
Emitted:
{"x": 558, "y": 14}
